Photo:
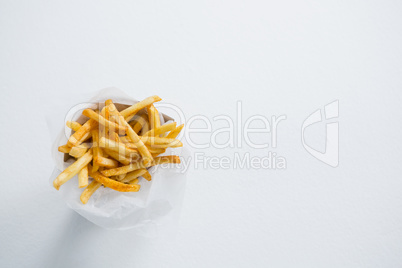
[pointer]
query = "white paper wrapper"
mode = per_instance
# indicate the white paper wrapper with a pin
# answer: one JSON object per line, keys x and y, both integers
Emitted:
{"x": 155, "y": 206}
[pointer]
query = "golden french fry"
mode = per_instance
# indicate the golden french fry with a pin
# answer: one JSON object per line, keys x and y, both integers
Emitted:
{"x": 139, "y": 122}
{"x": 115, "y": 185}
{"x": 73, "y": 125}
{"x": 133, "y": 175}
{"x": 157, "y": 140}
{"x": 121, "y": 177}
{"x": 115, "y": 155}
{"x": 174, "y": 133}
{"x": 101, "y": 120}
{"x": 78, "y": 137}
{"x": 83, "y": 177}
{"x": 153, "y": 116}
{"x": 64, "y": 149}
{"x": 96, "y": 150}
{"x": 72, "y": 170}
{"x": 138, "y": 165}
{"x": 134, "y": 181}
{"x": 174, "y": 144}
{"x": 160, "y": 130}
{"x": 156, "y": 150}
{"x": 146, "y": 155}
{"x": 145, "y": 128}
{"x": 106, "y": 162}
{"x": 139, "y": 106}
{"x": 78, "y": 151}
{"x": 88, "y": 192}
{"x": 147, "y": 176}
{"x": 118, "y": 147}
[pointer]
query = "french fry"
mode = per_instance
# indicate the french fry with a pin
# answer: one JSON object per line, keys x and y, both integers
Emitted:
{"x": 147, "y": 176}
{"x": 115, "y": 185}
{"x": 64, "y": 149}
{"x": 115, "y": 155}
{"x": 78, "y": 137}
{"x": 88, "y": 192}
{"x": 83, "y": 177}
{"x": 139, "y": 123}
{"x": 133, "y": 175}
{"x": 160, "y": 130}
{"x": 72, "y": 170}
{"x": 146, "y": 155}
{"x": 145, "y": 128}
{"x": 118, "y": 147}
{"x": 153, "y": 115}
{"x": 106, "y": 162}
{"x": 138, "y": 165}
{"x": 73, "y": 125}
{"x": 157, "y": 140}
{"x": 78, "y": 151}
{"x": 175, "y": 144}
{"x": 139, "y": 106}
{"x": 174, "y": 133}
{"x": 134, "y": 181}
{"x": 121, "y": 177}
{"x": 101, "y": 120}
{"x": 96, "y": 150}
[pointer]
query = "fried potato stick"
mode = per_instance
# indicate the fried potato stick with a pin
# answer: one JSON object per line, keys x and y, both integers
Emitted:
{"x": 64, "y": 149}
{"x": 139, "y": 123}
{"x": 96, "y": 149}
{"x": 78, "y": 137}
{"x": 73, "y": 125}
{"x": 139, "y": 106}
{"x": 78, "y": 151}
{"x": 174, "y": 133}
{"x": 160, "y": 130}
{"x": 133, "y": 175}
{"x": 88, "y": 192}
{"x": 115, "y": 185}
{"x": 72, "y": 170}
{"x": 118, "y": 147}
{"x": 101, "y": 120}
{"x": 106, "y": 162}
{"x": 121, "y": 158}
{"x": 153, "y": 115}
{"x": 83, "y": 177}
{"x": 140, "y": 164}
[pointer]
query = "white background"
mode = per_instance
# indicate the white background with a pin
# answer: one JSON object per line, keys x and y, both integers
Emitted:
{"x": 276, "y": 57}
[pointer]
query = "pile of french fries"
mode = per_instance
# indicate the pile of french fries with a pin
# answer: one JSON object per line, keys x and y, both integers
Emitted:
{"x": 115, "y": 147}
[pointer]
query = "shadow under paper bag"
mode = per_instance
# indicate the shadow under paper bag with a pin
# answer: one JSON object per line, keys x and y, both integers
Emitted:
{"x": 157, "y": 204}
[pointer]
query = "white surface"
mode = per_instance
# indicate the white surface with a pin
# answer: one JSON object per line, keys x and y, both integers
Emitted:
{"x": 277, "y": 57}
